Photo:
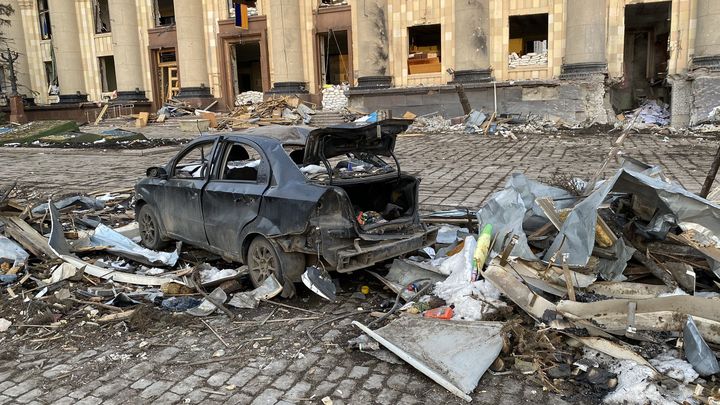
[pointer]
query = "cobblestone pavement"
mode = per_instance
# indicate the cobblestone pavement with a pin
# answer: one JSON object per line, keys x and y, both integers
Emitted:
{"x": 457, "y": 170}
{"x": 138, "y": 362}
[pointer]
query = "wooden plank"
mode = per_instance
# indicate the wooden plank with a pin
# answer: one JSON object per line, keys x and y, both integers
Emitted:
{"x": 28, "y": 237}
{"x": 210, "y": 117}
{"x": 142, "y": 119}
{"x": 161, "y": 118}
{"x": 102, "y": 114}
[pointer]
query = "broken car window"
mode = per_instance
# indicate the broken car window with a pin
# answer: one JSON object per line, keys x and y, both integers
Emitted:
{"x": 193, "y": 164}
{"x": 241, "y": 163}
{"x": 349, "y": 166}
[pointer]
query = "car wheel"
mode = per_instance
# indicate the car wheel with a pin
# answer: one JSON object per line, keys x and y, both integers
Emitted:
{"x": 150, "y": 229}
{"x": 263, "y": 260}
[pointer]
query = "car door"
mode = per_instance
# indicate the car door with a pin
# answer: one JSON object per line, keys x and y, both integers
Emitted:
{"x": 233, "y": 195}
{"x": 181, "y": 204}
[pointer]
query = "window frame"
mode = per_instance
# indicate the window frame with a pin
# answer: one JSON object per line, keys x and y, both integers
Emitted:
{"x": 262, "y": 169}
{"x": 179, "y": 158}
{"x": 43, "y": 9}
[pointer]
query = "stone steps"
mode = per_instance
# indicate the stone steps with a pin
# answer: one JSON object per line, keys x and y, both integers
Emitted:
{"x": 326, "y": 118}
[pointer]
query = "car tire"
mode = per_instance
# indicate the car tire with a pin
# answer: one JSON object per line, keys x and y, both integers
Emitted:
{"x": 150, "y": 233}
{"x": 265, "y": 257}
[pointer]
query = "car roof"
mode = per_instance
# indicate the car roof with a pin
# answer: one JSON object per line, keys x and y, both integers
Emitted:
{"x": 284, "y": 134}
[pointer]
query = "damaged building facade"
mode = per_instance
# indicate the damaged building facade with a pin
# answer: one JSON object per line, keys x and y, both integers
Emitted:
{"x": 571, "y": 60}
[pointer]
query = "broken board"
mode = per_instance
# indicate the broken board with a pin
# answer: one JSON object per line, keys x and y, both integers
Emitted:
{"x": 454, "y": 354}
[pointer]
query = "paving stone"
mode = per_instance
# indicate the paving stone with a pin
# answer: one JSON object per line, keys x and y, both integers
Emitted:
{"x": 243, "y": 376}
{"x": 141, "y": 384}
{"x": 387, "y": 397}
{"x": 238, "y": 399}
{"x": 156, "y": 389}
{"x": 324, "y": 388}
{"x": 21, "y": 388}
{"x": 218, "y": 379}
{"x": 29, "y": 396}
{"x": 275, "y": 367}
{"x": 89, "y": 401}
{"x": 65, "y": 401}
{"x": 268, "y": 397}
{"x": 336, "y": 374}
{"x": 285, "y": 381}
{"x": 257, "y": 384}
{"x": 111, "y": 388}
{"x": 345, "y": 388}
{"x": 298, "y": 390}
{"x": 374, "y": 382}
{"x": 195, "y": 397}
{"x": 168, "y": 398}
{"x": 358, "y": 372}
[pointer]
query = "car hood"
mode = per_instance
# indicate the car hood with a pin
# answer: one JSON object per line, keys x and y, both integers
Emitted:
{"x": 377, "y": 137}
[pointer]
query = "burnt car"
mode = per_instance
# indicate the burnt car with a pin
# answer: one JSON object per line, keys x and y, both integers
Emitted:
{"x": 281, "y": 198}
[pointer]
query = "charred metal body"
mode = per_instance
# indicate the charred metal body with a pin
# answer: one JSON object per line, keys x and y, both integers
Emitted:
{"x": 304, "y": 221}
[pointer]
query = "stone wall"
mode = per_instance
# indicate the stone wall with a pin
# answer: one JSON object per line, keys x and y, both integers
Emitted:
{"x": 574, "y": 102}
{"x": 706, "y": 96}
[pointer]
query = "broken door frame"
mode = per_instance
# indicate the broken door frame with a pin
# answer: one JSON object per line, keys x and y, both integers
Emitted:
{"x": 228, "y": 36}
{"x": 336, "y": 18}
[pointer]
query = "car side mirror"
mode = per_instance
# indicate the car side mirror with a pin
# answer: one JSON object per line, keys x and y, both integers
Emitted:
{"x": 157, "y": 172}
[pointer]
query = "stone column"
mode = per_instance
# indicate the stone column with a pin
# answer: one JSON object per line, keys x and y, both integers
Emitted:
{"x": 585, "y": 39}
{"x": 192, "y": 62}
{"x": 472, "y": 27}
{"x": 66, "y": 45}
{"x": 371, "y": 35}
{"x": 707, "y": 35}
{"x": 16, "y": 42}
{"x": 126, "y": 50}
{"x": 287, "y": 51}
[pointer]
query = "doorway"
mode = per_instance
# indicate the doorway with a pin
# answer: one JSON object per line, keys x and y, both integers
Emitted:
{"x": 246, "y": 67}
{"x": 167, "y": 75}
{"x": 645, "y": 55}
{"x": 334, "y": 63}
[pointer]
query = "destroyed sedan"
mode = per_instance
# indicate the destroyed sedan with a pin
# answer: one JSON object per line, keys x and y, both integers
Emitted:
{"x": 281, "y": 199}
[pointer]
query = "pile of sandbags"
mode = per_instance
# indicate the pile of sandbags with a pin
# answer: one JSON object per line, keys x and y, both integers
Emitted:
{"x": 334, "y": 97}
{"x": 249, "y": 97}
{"x": 529, "y": 59}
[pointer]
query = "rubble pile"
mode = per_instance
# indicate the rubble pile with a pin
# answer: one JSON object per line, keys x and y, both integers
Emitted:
{"x": 92, "y": 262}
{"x": 334, "y": 98}
{"x": 651, "y": 113}
{"x": 617, "y": 278}
{"x": 529, "y": 59}
{"x": 248, "y": 97}
{"x": 433, "y": 124}
{"x": 285, "y": 110}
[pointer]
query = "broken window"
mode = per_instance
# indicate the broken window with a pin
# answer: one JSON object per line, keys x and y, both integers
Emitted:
{"x": 425, "y": 49}
{"x": 334, "y": 58}
{"x": 194, "y": 163}
{"x": 51, "y": 78}
{"x": 102, "y": 16}
{"x": 107, "y": 73}
{"x": 241, "y": 163}
{"x": 528, "y": 40}
{"x": 247, "y": 71}
{"x": 330, "y": 3}
{"x": 44, "y": 15}
{"x": 164, "y": 13}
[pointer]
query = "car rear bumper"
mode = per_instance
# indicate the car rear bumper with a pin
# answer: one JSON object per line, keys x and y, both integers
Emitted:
{"x": 366, "y": 254}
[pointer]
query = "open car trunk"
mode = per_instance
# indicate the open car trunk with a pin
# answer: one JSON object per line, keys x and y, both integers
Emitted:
{"x": 383, "y": 205}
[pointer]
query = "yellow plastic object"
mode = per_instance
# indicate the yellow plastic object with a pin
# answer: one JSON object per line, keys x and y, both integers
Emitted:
{"x": 483, "y": 246}
{"x": 365, "y": 290}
